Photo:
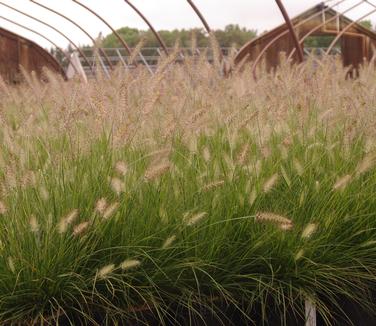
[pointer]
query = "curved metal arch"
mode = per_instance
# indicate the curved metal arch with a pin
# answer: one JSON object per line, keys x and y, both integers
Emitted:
{"x": 207, "y": 27}
{"x": 316, "y": 28}
{"x": 55, "y": 29}
{"x": 154, "y": 31}
{"x": 279, "y": 36}
{"x": 346, "y": 29}
{"x": 291, "y": 29}
{"x": 46, "y": 38}
{"x": 200, "y": 15}
{"x": 78, "y": 26}
{"x": 118, "y": 36}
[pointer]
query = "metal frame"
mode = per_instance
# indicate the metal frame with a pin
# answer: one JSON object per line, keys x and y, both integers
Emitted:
{"x": 79, "y": 27}
{"x": 200, "y": 15}
{"x": 291, "y": 29}
{"x": 154, "y": 31}
{"x": 316, "y": 28}
{"x": 118, "y": 36}
{"x": 343, "y": 32}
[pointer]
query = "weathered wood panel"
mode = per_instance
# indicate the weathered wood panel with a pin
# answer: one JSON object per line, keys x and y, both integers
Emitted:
{"x": 16, "y": 51}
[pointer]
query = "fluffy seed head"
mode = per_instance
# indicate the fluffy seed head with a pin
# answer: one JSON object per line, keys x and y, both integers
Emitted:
{"x": 129, "y": 264}
{"x": 342, "y": 182}
{"x": 155, "y": 171}
{"x": 282, "y": 221}
{"x": 43, "y": 193}
{"x": 67, "y": 220}
{"x": 169, "y": 241}
{"x": 121, "y": 167}
{"x": 365, "y": 165}
{"x": 299, "y": 254}
{"x": 213, "y": 185}
{"x": 298, "y": 167}
{"x": 191, "y": 220}
{"x": 309, "y": 230}
{"x": 117, "y": 185}
{"x": 206, "y": 154}
{"x": 80, "y": 228}
{"x": 11, "y": 264}
{"x": 105, "y": 271}
{"x": 3, "y": 208}
{"x": 110, "y": 210}
{"x": 252, "y": 197}
{"x": 270, "y": 183}
{"x": 286, "y": 226}
{"x": 101, "y": 206}
{"x": 243, "y": 154}
{"x": 34, "y": 227}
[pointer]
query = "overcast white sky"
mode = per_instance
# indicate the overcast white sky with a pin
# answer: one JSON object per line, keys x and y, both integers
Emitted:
{"x": 164, "y": 14}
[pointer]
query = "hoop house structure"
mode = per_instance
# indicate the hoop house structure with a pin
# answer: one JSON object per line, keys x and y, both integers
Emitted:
{"x": 342, "y": 36}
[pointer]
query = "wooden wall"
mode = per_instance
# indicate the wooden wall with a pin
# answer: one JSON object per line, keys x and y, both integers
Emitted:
{"x": 16, "y": 51}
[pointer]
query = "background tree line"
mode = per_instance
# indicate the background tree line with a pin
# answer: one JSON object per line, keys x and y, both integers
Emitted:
{"x": 231, "y": 35}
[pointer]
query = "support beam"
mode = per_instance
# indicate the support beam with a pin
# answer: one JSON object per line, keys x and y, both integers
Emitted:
{"x": 291, "y": 29}
{"x": 117, "y": 35}
{"x": 154, "y": 31}
{"x": 78, "y": 26}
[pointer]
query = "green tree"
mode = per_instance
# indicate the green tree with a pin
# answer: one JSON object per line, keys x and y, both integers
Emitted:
{"x": 367, "y": 24}
{"x": 231, "y": 35}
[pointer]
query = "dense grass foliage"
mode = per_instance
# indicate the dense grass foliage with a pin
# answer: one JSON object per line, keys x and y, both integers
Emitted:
{"x": 152, "y": 195}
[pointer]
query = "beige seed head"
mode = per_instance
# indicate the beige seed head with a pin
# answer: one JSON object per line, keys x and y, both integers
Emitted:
{"x": 342, "y": 182}
{"x": 155, "y": 171}
{"x": 365, "y": 165}
{"x": 299, "y": 254}
{"x": 80, "y": 228}
{"x": 266, "y": 152}
{"x": 298, "y": 167}
{"x": 273, "y": 218}
{"x": 270, "y": 183}
{"x": 192, "y": 220}
{"x": 206, "y": 154}
{"x": 252, "y": 197}
{"x": 110, "y": 210}
{"x": 169, "y": 241}
{"x": 11, "y": 265}
{"x": 285, "y": 227}
{"x": 213, "y": 185}
{"x": 44, "y": 193}
{"x": 309, "y": 230}
{"x": 71, "y": 217}
{"x": 243, "y": 155}
{"x": 121, "y": 167}
{"x": 3, "y": 208}
{"x": 34, "y": 227}
{"x": 117, "y": 185}
{"x": 105, "y": 271}
{"x": 129, "y": 264}
{"x": 163, "y": 215}
{"x": 101, "y": 206}
{"x": 66, "y": 221}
